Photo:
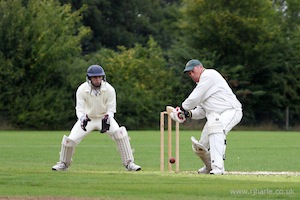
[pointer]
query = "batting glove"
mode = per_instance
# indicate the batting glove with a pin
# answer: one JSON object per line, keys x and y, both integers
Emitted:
{"x": 178, "y": 115}
{"x": 84, "y": 121}
{"x": 186, "y": 113}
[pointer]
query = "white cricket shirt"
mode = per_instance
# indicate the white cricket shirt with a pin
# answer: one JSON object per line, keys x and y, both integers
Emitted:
{"x": 212, "y": 93}
{"x": 95, "y": 105}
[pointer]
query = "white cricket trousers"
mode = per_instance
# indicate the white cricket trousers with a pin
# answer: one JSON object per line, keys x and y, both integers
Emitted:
{"x": 77, "y": 134}
{"x": 229, "y": 119}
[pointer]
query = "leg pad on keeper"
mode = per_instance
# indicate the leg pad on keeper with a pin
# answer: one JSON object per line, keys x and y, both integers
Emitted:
{"x": 67, "y": 150}
{"x": 202, "y": 152}
{"x": 123, "y": 144}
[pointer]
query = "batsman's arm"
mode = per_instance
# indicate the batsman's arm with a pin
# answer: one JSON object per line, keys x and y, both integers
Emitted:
{"x": 199, "y": 94}
{"x": 198, "y": 113}
{"x": 186, "y": 113}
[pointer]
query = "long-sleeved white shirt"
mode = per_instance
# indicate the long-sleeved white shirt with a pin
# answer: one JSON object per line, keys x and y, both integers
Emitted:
{"x": 95, "y": 105}
{"x": 212, "y": 94}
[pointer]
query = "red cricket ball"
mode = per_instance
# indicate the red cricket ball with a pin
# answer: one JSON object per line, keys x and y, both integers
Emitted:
{"x": 172, "y": 160}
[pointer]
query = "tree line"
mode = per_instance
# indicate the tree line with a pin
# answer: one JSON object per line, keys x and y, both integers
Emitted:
{"x": 46, "y": 47}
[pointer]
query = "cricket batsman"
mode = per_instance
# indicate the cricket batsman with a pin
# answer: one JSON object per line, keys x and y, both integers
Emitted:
{"x": 95, "y": 109}
{"x": 213, "y": 99}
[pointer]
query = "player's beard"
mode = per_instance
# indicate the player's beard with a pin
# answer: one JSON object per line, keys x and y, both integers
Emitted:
{"x": 96, "y": 87}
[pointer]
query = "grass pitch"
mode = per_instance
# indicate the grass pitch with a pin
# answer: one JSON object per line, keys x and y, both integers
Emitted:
{"x": 260, "y": 165}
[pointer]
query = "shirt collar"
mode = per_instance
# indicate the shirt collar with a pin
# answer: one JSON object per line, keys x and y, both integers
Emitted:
{"x": 103, "y": 87}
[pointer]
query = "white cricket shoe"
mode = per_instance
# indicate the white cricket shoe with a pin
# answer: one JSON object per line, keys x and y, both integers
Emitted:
{"x": 203, "y": 170}
{"x": 60, "y": 167}
{"x": 217, "y": 171}
{"x": 133, "y": 167}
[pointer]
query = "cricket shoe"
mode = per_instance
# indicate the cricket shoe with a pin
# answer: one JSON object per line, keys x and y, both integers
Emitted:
{"x": 60, "y": 167}
{"x": 203, "y": 170}
{"x": 217, "y": 171}
{"x": 133, "y": 167}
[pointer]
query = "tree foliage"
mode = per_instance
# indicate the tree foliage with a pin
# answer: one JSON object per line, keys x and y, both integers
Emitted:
{"x": 125, "y": 23}
{"x": 46, "y": 47}
{"x": 245, "y": 37}
{"x": 37, "y": 42}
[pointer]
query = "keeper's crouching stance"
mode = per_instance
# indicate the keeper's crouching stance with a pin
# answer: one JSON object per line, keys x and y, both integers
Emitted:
{"x": 120, "y": 136}
{"x": 95, "y": 108}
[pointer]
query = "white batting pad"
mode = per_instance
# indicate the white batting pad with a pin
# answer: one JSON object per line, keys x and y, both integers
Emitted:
{"x": 202, "y": 152}
{"x": 67, "y": 150}
{"x": 122, "y": 140}
{"x": 217, "y": 149}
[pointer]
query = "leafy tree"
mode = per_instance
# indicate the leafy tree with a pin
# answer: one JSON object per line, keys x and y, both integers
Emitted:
{"x": 125, "y": 23}
{"x": 243, "y": 37}
{"x": 37, "y": 41}
{"x": 287, "y": 77}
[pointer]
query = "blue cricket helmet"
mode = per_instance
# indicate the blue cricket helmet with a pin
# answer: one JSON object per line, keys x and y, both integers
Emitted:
{"x": 95, "y": 70}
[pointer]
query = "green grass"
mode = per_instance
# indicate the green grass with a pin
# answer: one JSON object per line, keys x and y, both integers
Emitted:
{"x": 26, "y": 159}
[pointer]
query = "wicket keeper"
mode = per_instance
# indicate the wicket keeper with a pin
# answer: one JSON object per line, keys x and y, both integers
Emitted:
{"x": 95, "y": 109}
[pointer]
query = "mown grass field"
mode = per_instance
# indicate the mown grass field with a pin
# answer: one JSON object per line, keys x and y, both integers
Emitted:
{"x": 26, "y": 158}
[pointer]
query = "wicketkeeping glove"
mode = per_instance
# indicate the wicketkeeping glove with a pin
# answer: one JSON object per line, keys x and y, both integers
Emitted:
{"x": 105, "y": 124}
{"x": 84, "y": 121}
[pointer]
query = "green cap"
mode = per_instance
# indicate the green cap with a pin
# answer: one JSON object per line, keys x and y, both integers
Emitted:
{"x": 191, "y": 64}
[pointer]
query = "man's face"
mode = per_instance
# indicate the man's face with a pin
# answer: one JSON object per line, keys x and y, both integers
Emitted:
{"x": 195, "y": 73}
{"x": 96, "y": 80}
